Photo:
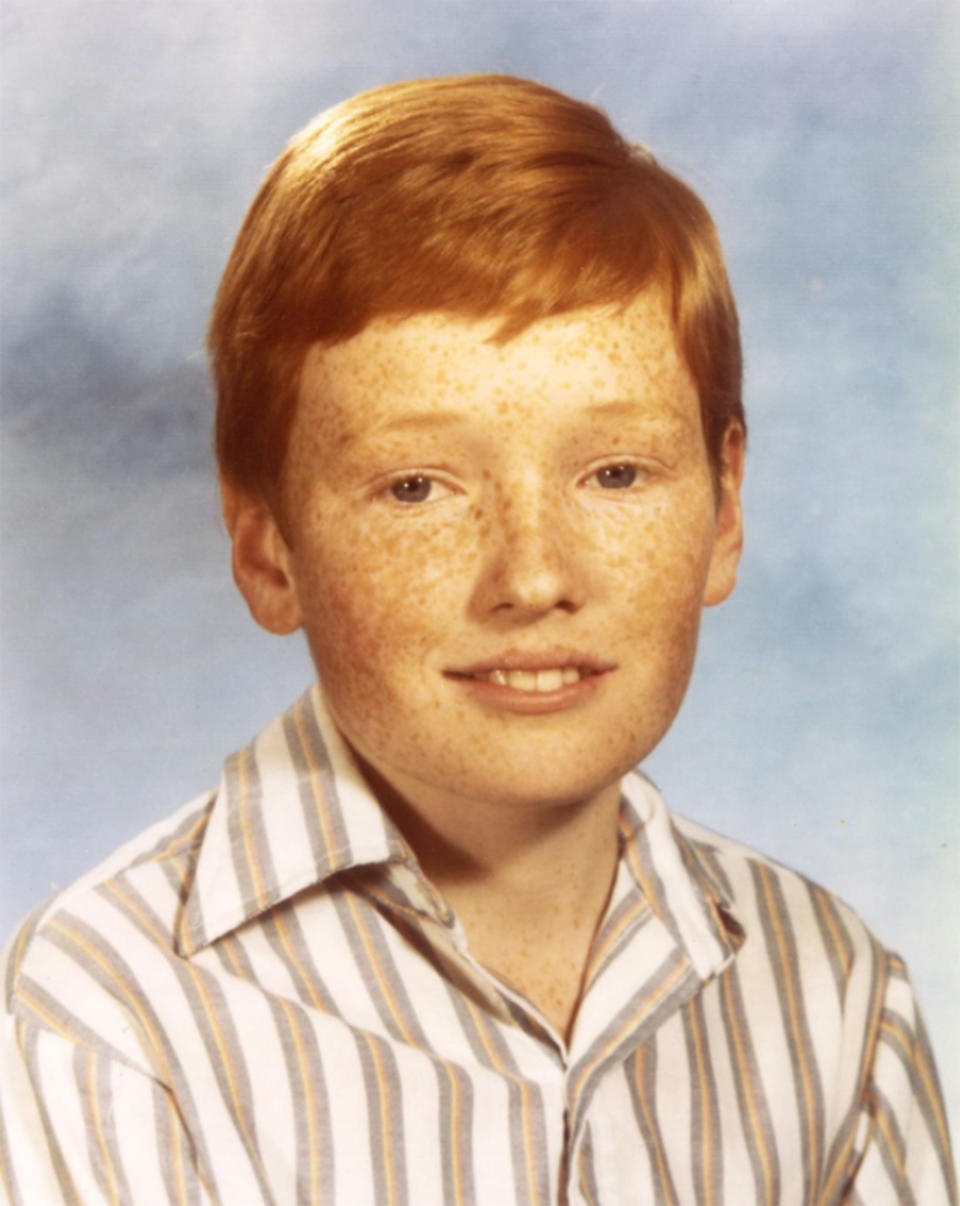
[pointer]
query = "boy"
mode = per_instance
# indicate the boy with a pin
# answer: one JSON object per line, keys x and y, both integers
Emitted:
{"x": 432, "y": 940}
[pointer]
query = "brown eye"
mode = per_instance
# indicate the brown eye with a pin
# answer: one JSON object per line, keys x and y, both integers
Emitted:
{"x": 413, "y": 489}
{"x": 617, "y": 477}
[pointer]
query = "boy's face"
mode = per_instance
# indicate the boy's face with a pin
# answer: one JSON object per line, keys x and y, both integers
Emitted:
{"x": 499, "y": 553}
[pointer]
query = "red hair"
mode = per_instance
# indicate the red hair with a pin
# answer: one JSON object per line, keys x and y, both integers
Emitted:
{"x": 479, "y": 196}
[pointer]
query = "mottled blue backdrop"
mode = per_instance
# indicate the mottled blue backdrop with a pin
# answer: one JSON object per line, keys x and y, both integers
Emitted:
{"x": 822, "y": 722}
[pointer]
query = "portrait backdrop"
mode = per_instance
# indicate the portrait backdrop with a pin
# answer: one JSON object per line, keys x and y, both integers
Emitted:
{"x": 821, "y": 725}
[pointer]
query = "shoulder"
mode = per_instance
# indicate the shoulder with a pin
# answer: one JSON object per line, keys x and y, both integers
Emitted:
{"x": 76, "y": 965}
{"x": 762, "y": 889}
{"x": 801, "y": 939}
{"x": 830, "y": 1010}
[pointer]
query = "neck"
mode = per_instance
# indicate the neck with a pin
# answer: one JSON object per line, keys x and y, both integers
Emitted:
{"x": 528, "y": 884}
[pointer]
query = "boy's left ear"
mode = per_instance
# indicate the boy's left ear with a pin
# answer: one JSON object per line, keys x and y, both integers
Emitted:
{"x": 728, "y": 533}
{"x": 262, "y": 561}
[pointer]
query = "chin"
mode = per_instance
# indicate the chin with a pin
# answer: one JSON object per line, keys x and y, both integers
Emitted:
{"x": 542, "y": 783}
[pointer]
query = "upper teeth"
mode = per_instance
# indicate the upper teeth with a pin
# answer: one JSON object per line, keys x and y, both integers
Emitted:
{"x": 534, "y": 680}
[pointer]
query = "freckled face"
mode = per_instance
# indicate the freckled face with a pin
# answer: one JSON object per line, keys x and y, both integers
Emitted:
{"x": 463, "y": 517}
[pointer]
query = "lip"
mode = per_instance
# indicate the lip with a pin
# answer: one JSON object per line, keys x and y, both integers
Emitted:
{"x": 532, "y": 703}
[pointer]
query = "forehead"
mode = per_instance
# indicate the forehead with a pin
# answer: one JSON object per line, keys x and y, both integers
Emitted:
{"x": 438, "y": 369}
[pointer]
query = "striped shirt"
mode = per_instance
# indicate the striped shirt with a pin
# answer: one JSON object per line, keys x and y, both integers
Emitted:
{"x": 264, "y": 1000}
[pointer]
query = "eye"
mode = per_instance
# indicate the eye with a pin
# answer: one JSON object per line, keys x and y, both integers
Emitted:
{"x": 615, "y": 477}
{"x": 417, "y": 488}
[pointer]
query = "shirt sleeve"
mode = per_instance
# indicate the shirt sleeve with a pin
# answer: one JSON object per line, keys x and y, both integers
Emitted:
{"x": 81, "y": 1126}
{"x": 903, "y": 1142}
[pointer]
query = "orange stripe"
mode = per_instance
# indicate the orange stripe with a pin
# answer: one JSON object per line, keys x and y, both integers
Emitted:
{"x": 45, "y": 1015}
{"x": 181, "y": 939}
{"x": 835, "y": 933}
{"x": 584, "y": 1183}
{"x": 248, "y": 843}
{"x": 634, "y": 860}
{"x": 936, "y": 1105}
{"x": 178, "y": 1162}
{"x": 932, "y": 1091}
{"x": 645, "y": 1006}
{"x": 794, "y": 1009}
{"x": 455, "y": 1132}
{"x": 378, "y": 971}
{"x": 746, "y": 1080}
{"x": 653, "y": 1131}
{"x": 839, "y": 1168}
{"x": 226, "y": 1061}
{"x": 597, "y": 956}
{"x": 226, "y": 945}
{"x": 177, "y": 1128}
{"x": 883, "y": 1125}
{"x": 98, "y": 1128}
{"x": 311, "y": 1104}
{"x": 528, "y": 1144}
{"x": 316, "y": 998}
{"x": 323, "y": 811}
{"x": 481, "y": 1029}
{"x": 126, "y": 901}
{"x": 893, "y": 1026}
{"x": 177, "y": 845}
{"x": 385, "y": 1132}
{"x": 707, "y": 1168}
{"x": 925, "y": 1073}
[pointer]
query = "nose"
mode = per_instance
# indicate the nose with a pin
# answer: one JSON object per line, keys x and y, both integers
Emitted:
{"x": 533, "y": 557}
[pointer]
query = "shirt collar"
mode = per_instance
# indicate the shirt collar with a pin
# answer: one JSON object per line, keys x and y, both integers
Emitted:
{"x": 674, "y": 876}
{"x": 323, "y": 820}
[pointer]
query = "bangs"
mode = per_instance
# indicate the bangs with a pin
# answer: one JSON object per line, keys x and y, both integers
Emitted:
{"x": 477, "y": 196}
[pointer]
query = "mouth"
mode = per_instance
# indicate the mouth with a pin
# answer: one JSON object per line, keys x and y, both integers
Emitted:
{"x": 551, "y": 679}
{"x": 556, "y": 673}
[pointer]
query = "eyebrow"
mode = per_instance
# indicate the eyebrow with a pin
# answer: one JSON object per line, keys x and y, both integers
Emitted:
{"x": 624, "y": 408}
{"x": 418, "y": 422}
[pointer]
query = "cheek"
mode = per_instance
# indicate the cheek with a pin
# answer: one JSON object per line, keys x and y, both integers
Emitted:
{"x": 663, "y": 556}
{"x": 374, "y": 593}
{"x": 659, "y": 580}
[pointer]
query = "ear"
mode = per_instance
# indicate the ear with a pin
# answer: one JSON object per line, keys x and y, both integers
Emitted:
{"x": 262, "y": 561}
{"x": 728, "y": 532}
